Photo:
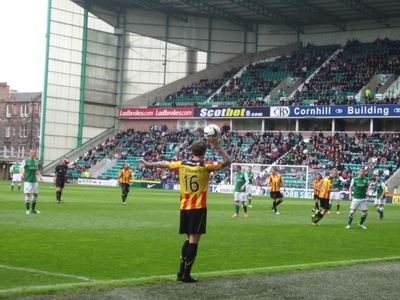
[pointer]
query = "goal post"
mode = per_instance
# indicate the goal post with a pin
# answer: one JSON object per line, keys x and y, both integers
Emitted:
{"x": 297, "y": 178}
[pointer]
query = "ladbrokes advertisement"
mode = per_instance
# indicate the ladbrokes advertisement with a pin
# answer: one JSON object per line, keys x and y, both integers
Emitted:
{"x": 156, "y": 113}
{"x": 342, "y": 111}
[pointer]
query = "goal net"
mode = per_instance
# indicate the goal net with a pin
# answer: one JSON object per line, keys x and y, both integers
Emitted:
{"x": 297, "y": 179}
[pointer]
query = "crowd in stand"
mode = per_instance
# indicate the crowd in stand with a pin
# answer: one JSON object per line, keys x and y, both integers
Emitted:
{"x": 341, "y": 151}
{"x": 204, "y": 87}
{"x": 320, "y": 152}
{"x": 261, "y": 148}
{"x": 336, "y": 82}
{"x": 356, "y": 68}
{"x": 385, "y": 100}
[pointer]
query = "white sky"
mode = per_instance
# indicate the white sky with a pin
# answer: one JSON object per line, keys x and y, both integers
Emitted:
{"x": 23, "y": 44}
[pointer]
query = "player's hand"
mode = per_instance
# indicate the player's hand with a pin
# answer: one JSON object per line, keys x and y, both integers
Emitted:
{"x": 144, "y": 162}
{"x": 213, "y": 141}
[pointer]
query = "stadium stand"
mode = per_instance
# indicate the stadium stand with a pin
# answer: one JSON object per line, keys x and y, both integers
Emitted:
{"x": 377, "y": 152}
{"x": 344, "y": 76}
{"x": 331, "y": 76}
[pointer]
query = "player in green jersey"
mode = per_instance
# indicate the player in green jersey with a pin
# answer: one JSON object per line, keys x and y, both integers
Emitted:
{"x": 380, "y": 195}
{"x": 358, "y": 197}
{"x": 240, "y": 192}
{"x": 249, "y": 176}
{"x": 29, "y": 170}
{"x": 16, "y": 176}
{"x": 336, "y": 187}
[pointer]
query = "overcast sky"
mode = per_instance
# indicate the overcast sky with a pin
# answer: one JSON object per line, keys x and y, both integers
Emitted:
{"x": 23, "y": 44}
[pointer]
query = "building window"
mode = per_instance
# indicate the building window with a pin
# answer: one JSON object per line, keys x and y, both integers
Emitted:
{"x": 5, "y": 151}
{"x": 21, "y": 151}
{"x": 24, "y": 111}
{"x": 8, "y": 131}
{"x": 38, "y": 131}
{"x": 12, "y": 151}
{"x": 13, "y": 130}
{"x": 39, "y": 110}
{"x": 23, "y": 131}
{"x": 8, "y": 111}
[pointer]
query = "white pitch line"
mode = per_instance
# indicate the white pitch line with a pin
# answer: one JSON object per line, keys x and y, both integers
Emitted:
{"x": 92, "y": 282}
{"x": 85, "y": 284}
{"x": 45, "y": 272}
{"x": 294, "y": 267}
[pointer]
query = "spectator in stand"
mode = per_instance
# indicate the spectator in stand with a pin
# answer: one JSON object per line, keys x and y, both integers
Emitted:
{"x": 226, "y": 128}
{"x": 368, "y": 94}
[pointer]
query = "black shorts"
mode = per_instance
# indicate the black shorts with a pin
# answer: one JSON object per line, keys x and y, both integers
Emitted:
{"x": 276, "y": 195}
{"x": 125, "y": 187}
{"x": 193, "y": 221}
{"x": 60, "y": 182}
{"x": 324, "y": 203}
{"x": 316, "y": 197}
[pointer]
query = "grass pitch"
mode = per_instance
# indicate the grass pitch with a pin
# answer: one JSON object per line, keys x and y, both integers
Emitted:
{"x": 93, "y": 241}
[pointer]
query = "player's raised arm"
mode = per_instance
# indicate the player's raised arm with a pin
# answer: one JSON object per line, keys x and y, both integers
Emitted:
{"x": 157, "y": 164}
{"x": 226, "y": 160}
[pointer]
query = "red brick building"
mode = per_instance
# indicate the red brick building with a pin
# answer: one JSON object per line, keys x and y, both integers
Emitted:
{"x": 20, "y": 115}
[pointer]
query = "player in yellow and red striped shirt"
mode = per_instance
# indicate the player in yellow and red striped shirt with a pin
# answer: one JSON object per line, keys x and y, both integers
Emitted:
{"x": 194, "y": 178}
{"x": 324, "y": 192}
{"x": 124, "y": 177}
{"x": 275, "y": 181}
{"x": 317, "y": 187}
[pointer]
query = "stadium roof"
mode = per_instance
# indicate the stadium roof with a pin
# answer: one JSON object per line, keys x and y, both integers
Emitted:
{"x": 294, "y": 14}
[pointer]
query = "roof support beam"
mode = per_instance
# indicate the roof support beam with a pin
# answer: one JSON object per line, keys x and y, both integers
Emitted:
{"x": 366, "y": 10}
{"x": 218, "y": 13}
{"x": 318, "y": 13}
{"x": 264, "y": 11}
{"x": 152, "y": 5}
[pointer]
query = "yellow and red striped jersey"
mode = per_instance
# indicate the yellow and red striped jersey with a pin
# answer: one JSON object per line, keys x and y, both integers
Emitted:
{"x": 194, "y": 177}
{"x": 317, "y": 186}
{"x": 325, "y": 188}
{"x": 275, "y": 181}
{"x": 125, "y": 175}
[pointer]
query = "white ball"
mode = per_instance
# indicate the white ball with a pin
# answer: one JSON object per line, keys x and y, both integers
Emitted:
{"x": 212, "y": 130}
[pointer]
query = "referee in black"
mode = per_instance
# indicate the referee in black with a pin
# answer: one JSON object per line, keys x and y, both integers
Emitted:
{"x": 60, "y": 173}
